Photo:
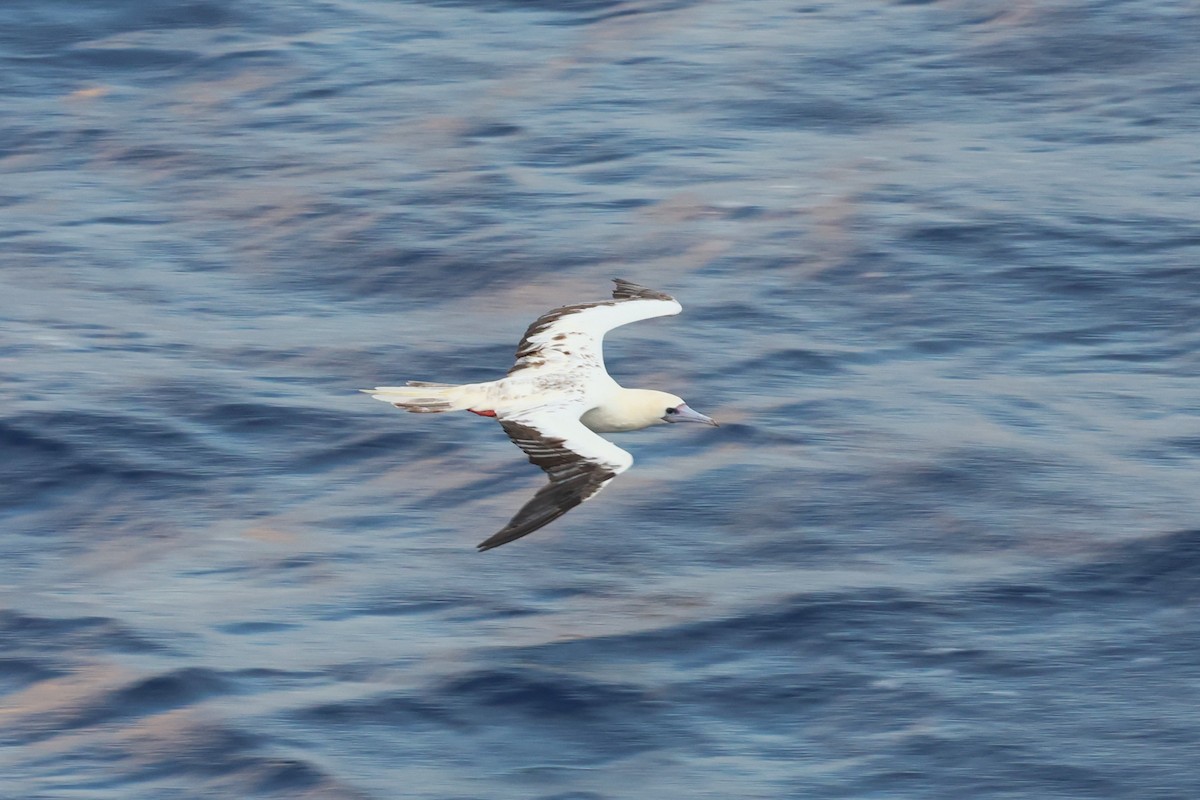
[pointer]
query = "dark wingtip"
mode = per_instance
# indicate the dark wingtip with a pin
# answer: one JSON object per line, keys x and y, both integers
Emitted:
{"x": 628, "y": 290}
{"x": 494, "y": 541}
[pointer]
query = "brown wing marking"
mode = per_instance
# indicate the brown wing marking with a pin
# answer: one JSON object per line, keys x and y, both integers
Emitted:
{"x": 528, "y": 348}
{"x": 624, "y": 291}
{"x": 573, "y": 479}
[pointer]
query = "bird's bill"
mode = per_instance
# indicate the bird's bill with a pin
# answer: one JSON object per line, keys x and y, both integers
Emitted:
{"x": 685, "y": 414}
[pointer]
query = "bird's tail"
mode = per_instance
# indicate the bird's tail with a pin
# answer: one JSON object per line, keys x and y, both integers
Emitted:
{"x": 423, "y": 397}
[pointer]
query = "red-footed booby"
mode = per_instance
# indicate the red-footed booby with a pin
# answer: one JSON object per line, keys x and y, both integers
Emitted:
{"x": 555, "y": 400}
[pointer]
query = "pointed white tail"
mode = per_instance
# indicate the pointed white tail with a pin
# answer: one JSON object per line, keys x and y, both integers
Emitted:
{"x": 423, "y": 397}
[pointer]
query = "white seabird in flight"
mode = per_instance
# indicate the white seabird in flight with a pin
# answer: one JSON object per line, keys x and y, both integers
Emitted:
{"x": 556, "y": 398}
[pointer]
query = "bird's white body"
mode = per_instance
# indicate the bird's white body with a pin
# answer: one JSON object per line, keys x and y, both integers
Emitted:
{"x": 557, "y": 397}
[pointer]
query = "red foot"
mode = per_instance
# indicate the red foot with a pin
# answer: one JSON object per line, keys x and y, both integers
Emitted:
{"x": 482, "y": 413}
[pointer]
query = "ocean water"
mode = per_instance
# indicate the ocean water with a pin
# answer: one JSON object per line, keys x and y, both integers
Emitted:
{"x": 939, "y": 264}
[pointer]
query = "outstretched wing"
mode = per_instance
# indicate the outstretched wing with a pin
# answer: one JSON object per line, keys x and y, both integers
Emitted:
{"x": 579, "y": 462}
{"x": 576, "y": 332}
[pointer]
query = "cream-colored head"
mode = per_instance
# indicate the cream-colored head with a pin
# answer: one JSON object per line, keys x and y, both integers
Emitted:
{"x": 633, "y": 409}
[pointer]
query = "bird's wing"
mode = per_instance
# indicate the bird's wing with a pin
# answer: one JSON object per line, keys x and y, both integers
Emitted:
{"x": 579, "y": 462}
{"x": 576, "y": 332}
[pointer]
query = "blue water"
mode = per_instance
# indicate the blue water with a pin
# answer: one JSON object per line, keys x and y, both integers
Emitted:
{"x": 939, "y": 264}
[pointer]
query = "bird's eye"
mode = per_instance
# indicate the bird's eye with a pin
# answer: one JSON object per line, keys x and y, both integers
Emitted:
{"x": 672, "y": 410}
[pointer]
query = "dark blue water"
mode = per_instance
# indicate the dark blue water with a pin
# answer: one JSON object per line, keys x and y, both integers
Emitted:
{"x": 939, "y": 263}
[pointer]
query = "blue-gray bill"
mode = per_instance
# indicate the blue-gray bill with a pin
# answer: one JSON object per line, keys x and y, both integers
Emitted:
{"x": 683, "y": 413}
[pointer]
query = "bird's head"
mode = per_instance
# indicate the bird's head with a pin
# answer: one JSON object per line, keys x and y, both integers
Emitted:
{"x": 633, "y": 409}
{"x": 660, "y": 407}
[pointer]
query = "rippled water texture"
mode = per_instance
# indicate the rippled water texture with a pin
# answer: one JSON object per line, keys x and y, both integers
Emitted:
{"x": 939, "y": 269}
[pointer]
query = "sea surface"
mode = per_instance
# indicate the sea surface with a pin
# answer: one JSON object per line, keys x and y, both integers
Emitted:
{"x": 940, "y": 265}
